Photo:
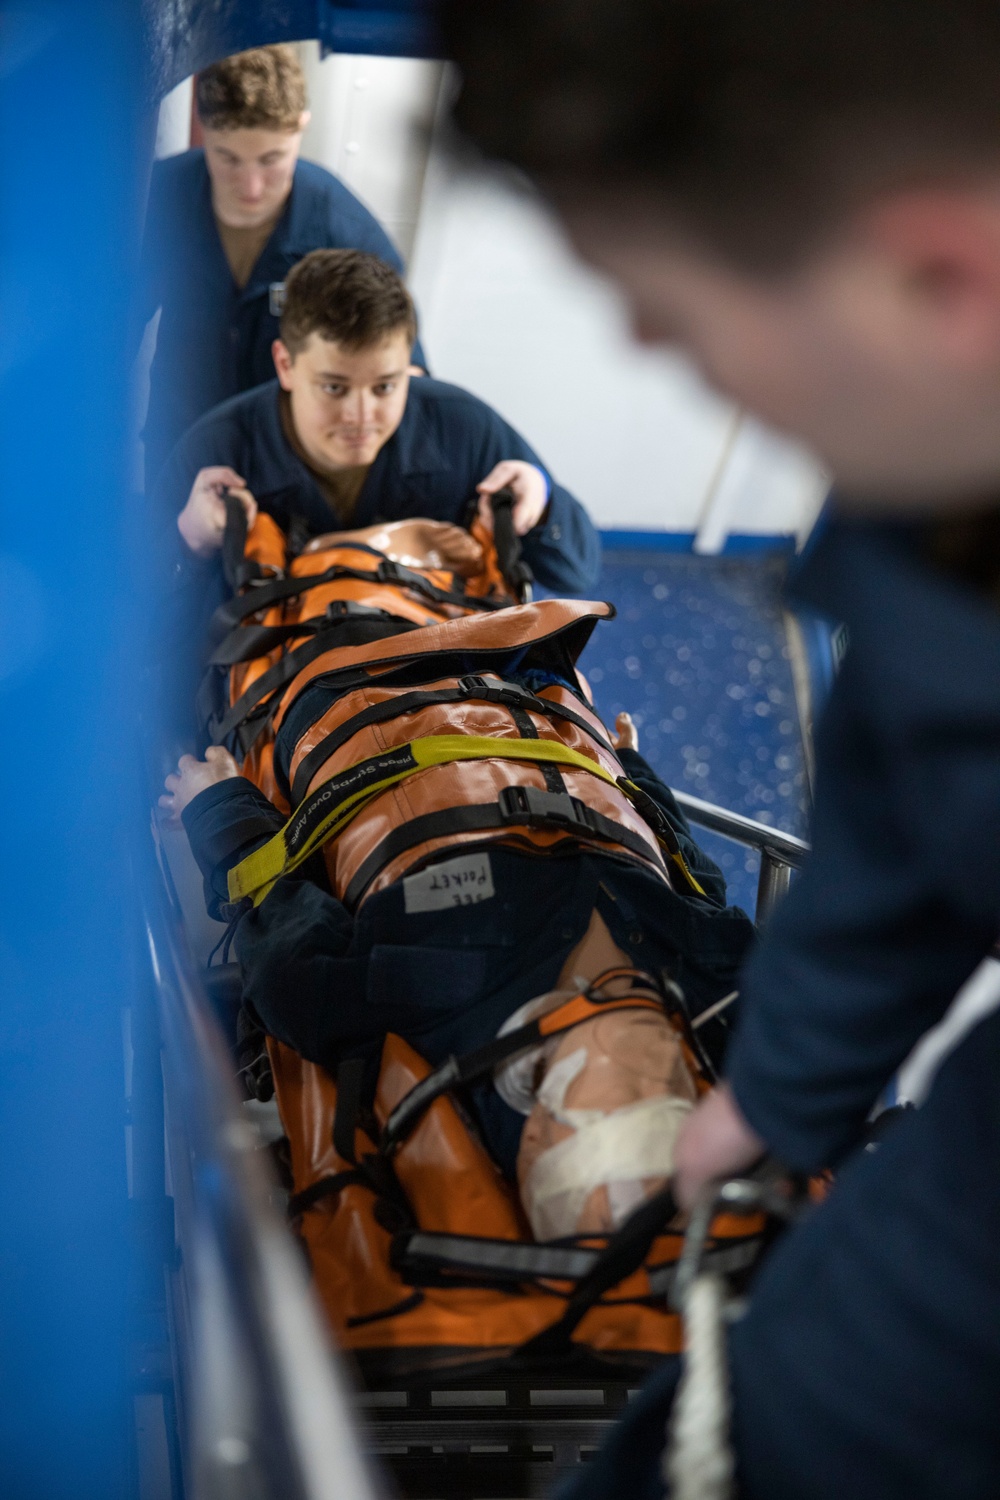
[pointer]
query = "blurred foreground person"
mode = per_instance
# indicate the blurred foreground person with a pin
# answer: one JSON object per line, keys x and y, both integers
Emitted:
{"x": 806, "y": 196}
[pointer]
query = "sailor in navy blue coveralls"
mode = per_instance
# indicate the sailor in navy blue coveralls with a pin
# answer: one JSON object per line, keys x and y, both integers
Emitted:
{"x": 868, "y": 1364}
{"x": 448, "y": 441}
{"x": 214, "y": 340}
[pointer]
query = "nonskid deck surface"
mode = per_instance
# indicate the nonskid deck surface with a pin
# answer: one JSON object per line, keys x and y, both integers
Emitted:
{"x": 701, "y": 655}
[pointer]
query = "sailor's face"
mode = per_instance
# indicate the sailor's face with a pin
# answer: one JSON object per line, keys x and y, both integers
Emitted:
{"x": 251, "y": 172}
{"x": 887, "y": 369}
{"x": 346, "y": 403}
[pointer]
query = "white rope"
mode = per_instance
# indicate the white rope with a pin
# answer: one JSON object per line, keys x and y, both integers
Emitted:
{"x": 698, "y": 1462}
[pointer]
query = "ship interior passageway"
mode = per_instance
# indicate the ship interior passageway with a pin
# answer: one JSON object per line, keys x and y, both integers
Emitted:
{"x": 454, "y": 1356}
{"x": 498, "y": 646}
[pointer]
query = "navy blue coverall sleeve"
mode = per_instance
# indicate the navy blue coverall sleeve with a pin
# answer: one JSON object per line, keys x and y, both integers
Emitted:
{"x": 300, "y": 930}
{"x": 901, "y": 897}
{"x": 705, "y": 870}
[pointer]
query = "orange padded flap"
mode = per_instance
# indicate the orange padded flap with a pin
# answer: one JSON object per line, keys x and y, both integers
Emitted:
{"x": 451, "y": 1182}
{"x": 265, "y": 542}
{"x": 521, "y": 626}
{"x": 307, "y": 1102}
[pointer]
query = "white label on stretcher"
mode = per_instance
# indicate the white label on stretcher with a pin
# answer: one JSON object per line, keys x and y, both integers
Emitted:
{"x": 454, "y": 882}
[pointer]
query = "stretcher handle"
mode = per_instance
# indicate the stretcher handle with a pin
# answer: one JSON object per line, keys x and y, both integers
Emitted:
{"x": 234, "y": 541}
{"x": 508, "y": 544}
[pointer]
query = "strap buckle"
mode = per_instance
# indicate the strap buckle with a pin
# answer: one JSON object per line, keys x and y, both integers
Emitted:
{"x": 521, "y": 804}
{"x": 344, "y": 609}
{"x": 390, "y": 571}
{"x": 510, "y": 694}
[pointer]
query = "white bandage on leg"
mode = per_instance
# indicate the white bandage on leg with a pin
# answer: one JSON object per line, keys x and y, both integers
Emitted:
{"x": 615, "y": 1149}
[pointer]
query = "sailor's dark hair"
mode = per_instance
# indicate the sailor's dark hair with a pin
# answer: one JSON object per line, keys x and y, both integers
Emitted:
{"x": 262, "y": 89}
{"x": 758, "y": 123}
{"x": 347, "y": 296}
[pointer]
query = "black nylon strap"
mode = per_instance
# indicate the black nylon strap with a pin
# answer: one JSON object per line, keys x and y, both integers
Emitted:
{"x": 248, "y": 641}
{"x": 237, "y": 609}
{"x": 517, "y": 805}
{"x": 469, "y": 689}
{"x": 396, "y": 1310}
{"x": 350, "y": 1077}
{"x": 419, "y": 1252}
{"x": 452, "y": 1072}
{"x": 508, "y": 544}
{"x": 221, "y": 726}
{"x": 624, "y": 1253}
{"x": 324, "y": 1187}
{"x": 724, "y": 1258}
{"x": 551, "y": 773}
{"x": 234, "y": 541}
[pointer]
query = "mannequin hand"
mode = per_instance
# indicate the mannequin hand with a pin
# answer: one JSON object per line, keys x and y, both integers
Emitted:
{"x": 715, "y": 1143}
{"x": 193, "y": 776}
{"x": 626, "y": 736}
{"x": 531, "y": 493}
{"x": 202, "y": 522}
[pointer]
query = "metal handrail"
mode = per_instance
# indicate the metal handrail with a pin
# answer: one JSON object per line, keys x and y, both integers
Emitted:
{"x": 264, "y": 1406}
{"x": 780, "y": 853}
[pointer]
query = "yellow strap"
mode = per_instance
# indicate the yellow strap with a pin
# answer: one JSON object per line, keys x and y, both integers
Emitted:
{"x": 676, "y": 857}
{"x": 255, "y": 875}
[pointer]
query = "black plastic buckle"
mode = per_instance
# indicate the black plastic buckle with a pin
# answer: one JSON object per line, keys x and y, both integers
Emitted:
{"x": 648, "y": 810}
{"x": 521, "y": 804}
{"x": 389, "y": 571}
{"x": 509, "y": 694}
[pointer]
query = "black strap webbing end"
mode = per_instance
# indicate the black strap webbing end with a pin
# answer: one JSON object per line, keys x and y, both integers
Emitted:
{"x": 350, "y": 1078}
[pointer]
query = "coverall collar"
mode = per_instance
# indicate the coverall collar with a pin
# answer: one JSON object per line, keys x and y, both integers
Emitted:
{"x": 413, "y": 449}
{"x": 293, "y": 228}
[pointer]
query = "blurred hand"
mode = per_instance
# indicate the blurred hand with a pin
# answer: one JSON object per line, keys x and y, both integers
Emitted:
{"x": 715, "y": 1143}
{"x": 626, "y": 736}
{"x": 193, "y": 776}
{"x": 202, "y": 522}
{"x": 531, "y": 493}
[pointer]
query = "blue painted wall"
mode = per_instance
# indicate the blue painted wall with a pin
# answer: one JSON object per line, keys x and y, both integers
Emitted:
{"x": 71, "y": 121}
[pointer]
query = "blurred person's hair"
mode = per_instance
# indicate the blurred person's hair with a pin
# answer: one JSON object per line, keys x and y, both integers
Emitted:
{"x": 759, "y": 124}
{"x": 263, "y": 89}
{"x": 350, "y": 297}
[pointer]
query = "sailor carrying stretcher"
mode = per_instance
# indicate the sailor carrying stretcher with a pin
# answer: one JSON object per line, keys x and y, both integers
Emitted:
{"x": 479, "y": 892}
